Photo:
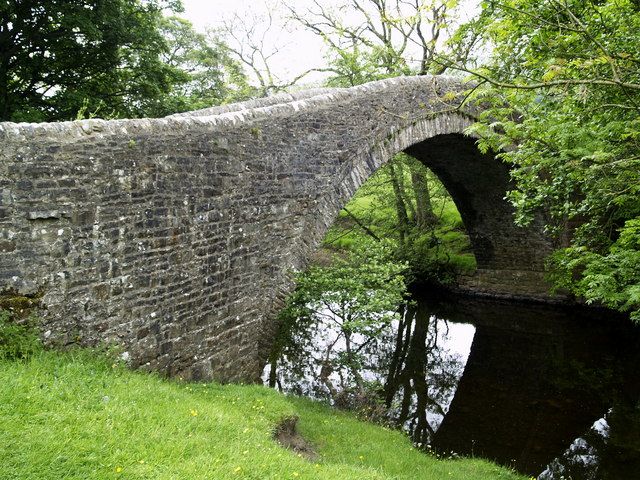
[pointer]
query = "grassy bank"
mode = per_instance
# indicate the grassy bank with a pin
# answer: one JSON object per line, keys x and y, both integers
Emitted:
{"x": 73, "y": 415}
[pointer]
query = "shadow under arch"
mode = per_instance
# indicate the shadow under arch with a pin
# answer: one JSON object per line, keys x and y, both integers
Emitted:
{"x": 478, "y": 183}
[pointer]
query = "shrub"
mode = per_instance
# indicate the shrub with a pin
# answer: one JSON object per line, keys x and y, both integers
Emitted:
{"x": 17, "y": 340}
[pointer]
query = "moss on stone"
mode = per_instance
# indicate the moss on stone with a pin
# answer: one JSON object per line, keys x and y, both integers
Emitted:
{"x": 19, "y": 306}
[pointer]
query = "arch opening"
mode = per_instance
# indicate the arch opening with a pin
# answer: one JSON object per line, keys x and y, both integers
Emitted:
{"x": 477, "y": 184}
{"x": 406, "y": 202}
{"x": 500, "y": 258}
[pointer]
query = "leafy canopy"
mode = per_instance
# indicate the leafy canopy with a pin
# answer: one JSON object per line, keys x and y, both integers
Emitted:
{"x": 58, "y": 57}
{"x": 208, "y": 75}
{"x": 62, "y": 59}
{"x": 563, "y": 85}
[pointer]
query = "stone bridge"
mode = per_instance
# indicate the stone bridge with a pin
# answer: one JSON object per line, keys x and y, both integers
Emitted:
{"x": 176, "y": 237}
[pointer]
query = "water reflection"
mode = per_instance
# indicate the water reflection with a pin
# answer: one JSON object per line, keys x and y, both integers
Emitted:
{"x": 425, "y": 366}
{"x": 553, "y": 392}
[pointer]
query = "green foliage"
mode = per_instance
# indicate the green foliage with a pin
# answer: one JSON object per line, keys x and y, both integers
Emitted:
{"x": 78, "y": 416}
{"x": 363, "y": 290}
{"x": 612, "y": 279}
{"x": 440, "y": 256}
{"x": 357, "y": 65}
{"x": 62, "y": 60}
{"x": 17, "y": 340}
{"x": 438, "y": 252}
{"x": 209, "y": 75}
{"x": 360, "y": 293}
{"x": 563, "y": 85}
{"x": 59, "y": 57}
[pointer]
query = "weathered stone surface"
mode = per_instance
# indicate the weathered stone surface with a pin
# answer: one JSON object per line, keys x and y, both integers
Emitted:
{"x": 176, "y": 237}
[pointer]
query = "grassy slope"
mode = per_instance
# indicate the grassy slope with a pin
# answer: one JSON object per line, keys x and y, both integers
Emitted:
{"x": 66, "y": 416}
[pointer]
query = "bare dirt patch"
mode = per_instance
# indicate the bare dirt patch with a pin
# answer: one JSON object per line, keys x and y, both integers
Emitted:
{"x": 286, "y": 434}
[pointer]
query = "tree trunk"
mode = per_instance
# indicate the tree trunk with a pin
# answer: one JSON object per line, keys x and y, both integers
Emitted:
{"x": 425, "y": 217}
{"x": 411, "y": 211}
{"x": 401, "y": 208}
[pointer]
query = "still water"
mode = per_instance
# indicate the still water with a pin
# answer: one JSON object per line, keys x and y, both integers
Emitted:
{"x": 551, "y": 391}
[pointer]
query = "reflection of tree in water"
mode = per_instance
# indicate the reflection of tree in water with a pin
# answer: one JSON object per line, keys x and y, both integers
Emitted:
{"x": 328, "y": 361}
{"x": 535, "y": 379}
{"x": 402, "y": 373}
{"x": 423, "y": 374}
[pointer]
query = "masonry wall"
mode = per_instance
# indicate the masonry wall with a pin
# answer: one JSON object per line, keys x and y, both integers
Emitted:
{"x": 176, "y": 237}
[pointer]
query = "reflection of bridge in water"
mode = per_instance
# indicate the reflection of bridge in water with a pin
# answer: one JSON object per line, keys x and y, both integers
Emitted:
{"x": 535, "y": 380}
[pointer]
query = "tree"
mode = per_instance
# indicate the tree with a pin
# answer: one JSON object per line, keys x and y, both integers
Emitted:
{"x": 563, "y": 85}
{"x": 360, "y": 295}
{"x": 247, "y": 38}
{"x": 208, "y": 74}
{"x": 59, "y": 57}
{"x": 396, "y": 37}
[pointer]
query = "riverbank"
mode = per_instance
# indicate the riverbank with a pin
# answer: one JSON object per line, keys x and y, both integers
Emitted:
{"x": 74, "y": 415}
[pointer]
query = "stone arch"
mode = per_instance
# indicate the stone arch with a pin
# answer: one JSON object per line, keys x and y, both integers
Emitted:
{"x": 510, "y": 258}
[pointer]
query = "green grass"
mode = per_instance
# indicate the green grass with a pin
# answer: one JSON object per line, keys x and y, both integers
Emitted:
{"x": 451, "y": 258}
{"x": 381, "y": 219}
{"x": 78, "y": 416}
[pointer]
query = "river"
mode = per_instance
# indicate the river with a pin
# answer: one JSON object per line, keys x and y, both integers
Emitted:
{"x": 552, "y": 391}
